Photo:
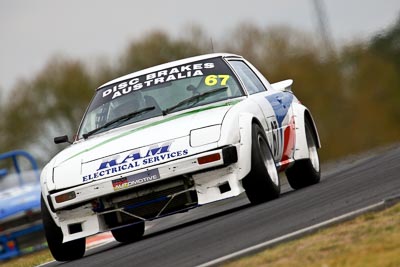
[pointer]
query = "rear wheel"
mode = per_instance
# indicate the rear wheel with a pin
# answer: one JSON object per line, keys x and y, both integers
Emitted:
{"x": 306, "y": 172}
{"x": 61, "y": 251}
{"x": 262, "y": 183}
{"x": 129, "y": 233}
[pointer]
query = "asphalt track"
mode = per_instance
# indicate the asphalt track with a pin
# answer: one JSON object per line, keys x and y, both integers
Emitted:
{"x": 213, "y": 231}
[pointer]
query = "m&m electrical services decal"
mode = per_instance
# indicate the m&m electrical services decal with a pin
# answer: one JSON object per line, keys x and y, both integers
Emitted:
{"x": 134, "y": 159}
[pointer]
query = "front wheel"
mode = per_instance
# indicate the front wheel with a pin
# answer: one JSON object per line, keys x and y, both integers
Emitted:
{"x": 306, "y": 172}
{"x": 262, "y": 183}
{"x": 61, "y": 251}
{"x": 129, "y": 233}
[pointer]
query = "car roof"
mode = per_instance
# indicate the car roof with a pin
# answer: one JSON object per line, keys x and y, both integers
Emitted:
{"x": 169, "y": 65}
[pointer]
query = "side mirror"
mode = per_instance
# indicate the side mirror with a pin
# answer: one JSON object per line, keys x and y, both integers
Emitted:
{"x": 62, "y": 139}
{"x": 284, "y": 86}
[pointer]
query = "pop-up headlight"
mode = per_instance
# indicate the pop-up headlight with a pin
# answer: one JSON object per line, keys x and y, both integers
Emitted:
{"x": 204, "y": 136}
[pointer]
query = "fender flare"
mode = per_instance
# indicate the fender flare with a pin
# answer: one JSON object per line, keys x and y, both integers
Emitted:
{"x": 308, "y": 116}
{"x": 246, "y": 121}
{"x": 301, "y": 148}
{"x": 46, "y": 173}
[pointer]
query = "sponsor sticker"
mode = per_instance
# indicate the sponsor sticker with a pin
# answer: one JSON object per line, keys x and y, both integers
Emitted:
{"x": 156, "y": 78}
{"x": 134, "y": 159}
{"x": 136, "y": 179}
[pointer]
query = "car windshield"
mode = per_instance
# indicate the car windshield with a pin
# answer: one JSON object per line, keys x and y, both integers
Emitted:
{"x": 158, "y": 94}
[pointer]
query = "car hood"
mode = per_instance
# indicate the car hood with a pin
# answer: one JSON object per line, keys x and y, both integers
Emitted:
{"x": 18, "y": 199}
{"x": 135, "y": 146}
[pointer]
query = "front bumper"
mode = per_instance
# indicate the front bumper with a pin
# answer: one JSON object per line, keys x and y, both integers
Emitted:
{"x": 183, "y": 184}
{"x": 186, "y": 166}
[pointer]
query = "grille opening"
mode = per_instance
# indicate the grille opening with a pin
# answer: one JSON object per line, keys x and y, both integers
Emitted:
{"x": 225, "y": 187}
{"x": 74, "y": 228}
{"x": 150, "y": 201}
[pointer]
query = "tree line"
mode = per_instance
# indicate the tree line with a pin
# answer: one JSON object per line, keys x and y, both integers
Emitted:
{"x": 353, "y": 92}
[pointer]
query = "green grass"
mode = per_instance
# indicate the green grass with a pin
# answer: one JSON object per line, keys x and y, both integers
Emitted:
{"x": 370, "y": 240}
{"x": 28, "y": 260}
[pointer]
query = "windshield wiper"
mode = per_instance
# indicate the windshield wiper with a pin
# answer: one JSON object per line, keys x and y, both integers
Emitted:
{"x": 119, "y": 119}
{"x": 193, "y": 98}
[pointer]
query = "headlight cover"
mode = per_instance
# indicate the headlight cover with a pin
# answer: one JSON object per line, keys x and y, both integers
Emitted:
{"x": 204, "y": 136}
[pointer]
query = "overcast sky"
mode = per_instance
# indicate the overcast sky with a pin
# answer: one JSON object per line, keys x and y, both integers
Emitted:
{"x": 31, "y": 31}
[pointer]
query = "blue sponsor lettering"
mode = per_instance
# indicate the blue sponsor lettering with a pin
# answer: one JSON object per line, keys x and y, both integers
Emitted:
{"x": 109, "y": 162}
{"x": 133, "y": 160}
{"x": 158, "y": 150}
{"x": 134, "y": 155}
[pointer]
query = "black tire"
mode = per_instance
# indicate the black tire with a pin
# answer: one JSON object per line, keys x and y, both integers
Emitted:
{"x": 61, "y": 251}
{"x": 306, "y": 172}
{"x": 259, "y": 183}
{"x": 129, "y": 233}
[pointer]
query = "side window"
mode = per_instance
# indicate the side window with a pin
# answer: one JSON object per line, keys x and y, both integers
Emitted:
{"x": 249, "y": 78}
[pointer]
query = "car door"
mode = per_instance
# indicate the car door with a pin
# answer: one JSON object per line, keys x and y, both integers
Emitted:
{"x": 276, "y": 107}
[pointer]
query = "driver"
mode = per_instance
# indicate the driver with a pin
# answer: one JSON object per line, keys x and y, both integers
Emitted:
{"x": 129, "y": 103}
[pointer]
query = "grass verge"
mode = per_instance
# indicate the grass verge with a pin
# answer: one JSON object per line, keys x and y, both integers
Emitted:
{"x": 29, "y": 260}
{"x": 370, "y": 240}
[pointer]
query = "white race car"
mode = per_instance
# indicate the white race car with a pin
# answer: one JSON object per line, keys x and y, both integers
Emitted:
{"x": 170, "y": 138}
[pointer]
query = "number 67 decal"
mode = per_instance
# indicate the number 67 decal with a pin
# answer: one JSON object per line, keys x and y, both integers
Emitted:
{"x": 213, "y": 79}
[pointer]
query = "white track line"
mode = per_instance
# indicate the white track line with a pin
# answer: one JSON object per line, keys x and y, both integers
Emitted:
{"x": 301, "y": 232}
